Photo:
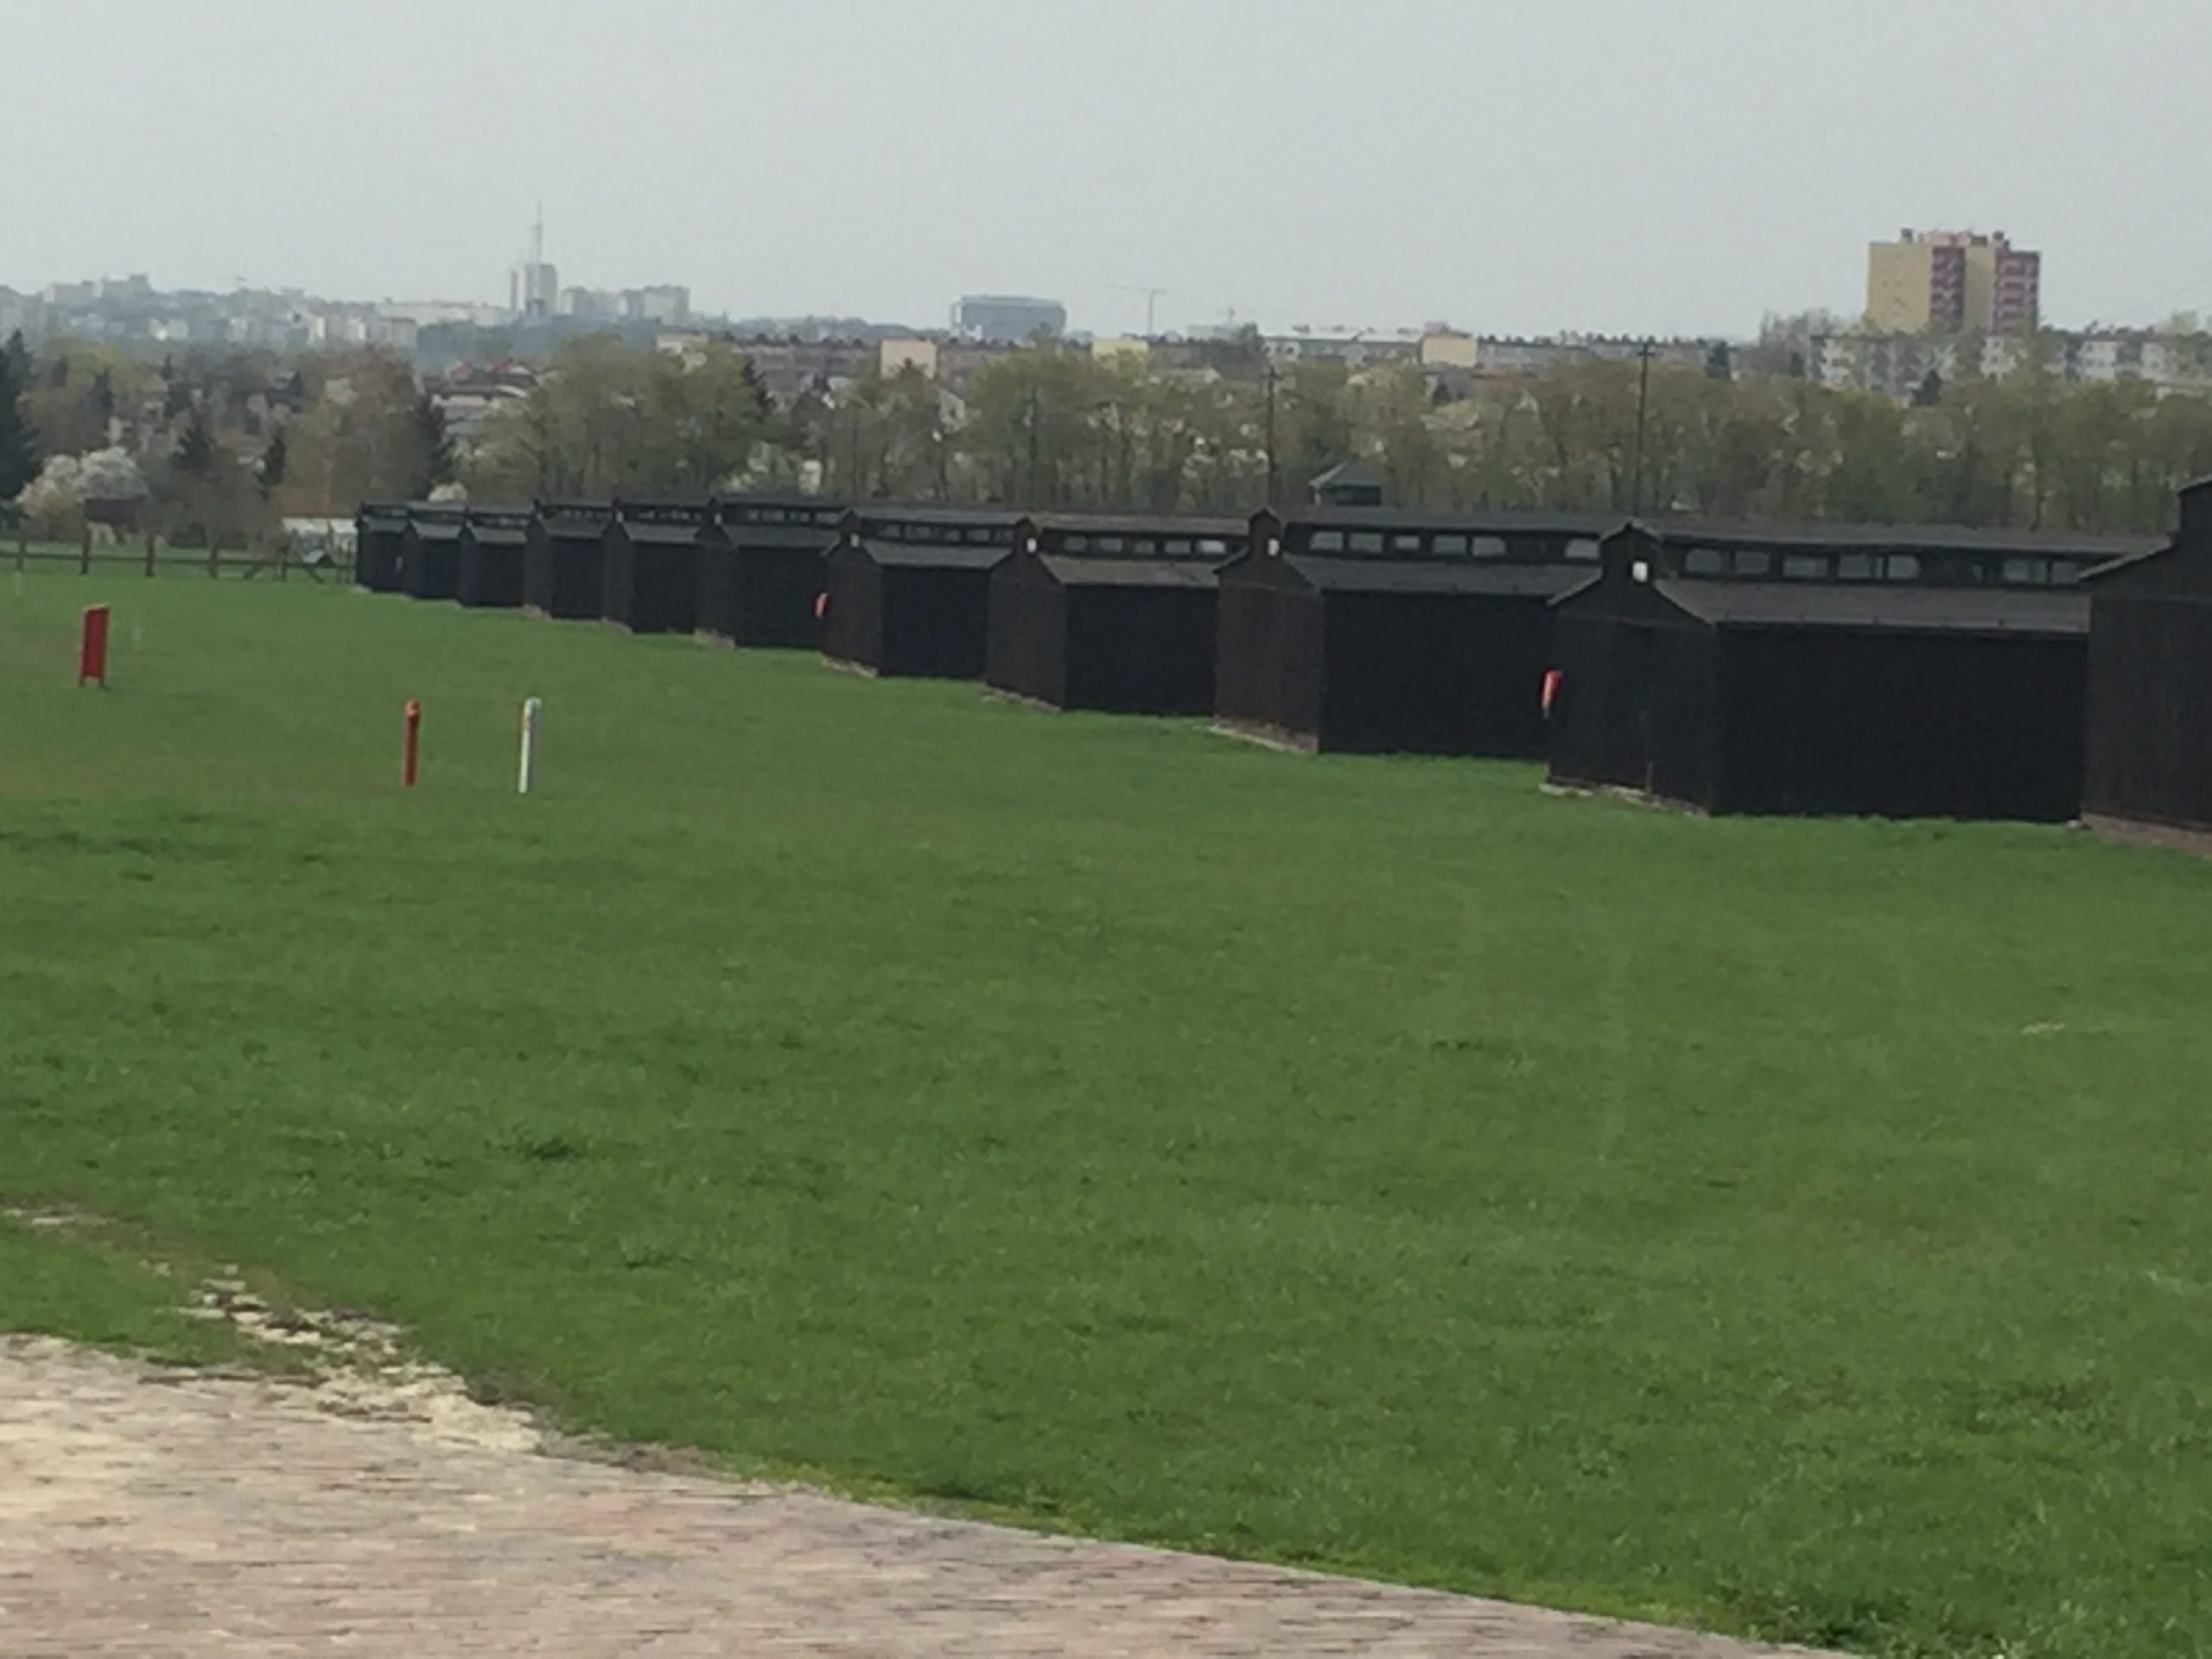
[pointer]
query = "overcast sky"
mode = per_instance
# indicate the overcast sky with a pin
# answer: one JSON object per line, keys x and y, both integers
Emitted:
{"x": 1519, "y": 166}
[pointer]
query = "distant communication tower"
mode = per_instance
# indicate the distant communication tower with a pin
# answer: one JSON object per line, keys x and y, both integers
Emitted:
{"x": 534, "y": 291}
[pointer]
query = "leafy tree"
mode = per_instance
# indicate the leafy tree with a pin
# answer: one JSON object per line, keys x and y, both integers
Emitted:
{"x": 887, "y": 439}
{"x": 2033, "y": 396}
{"x": 274, "y": 460}
{"x": 1966, "y": 356}
{"x": 1587, "y": 413}
{"x": 53, "y": 502}
{"x": 1729, "y": 453}
{"x": 1499, "y": 454}
{"x": 612, "y": 419}
{"x": 700, "y": 420}
{"x": 357, "y": 438}
{"x": 2098, "y": 452}
{"x": 72, "y": 405}
{"x": 195, "y": 455}
{"x": 1242, "y": 355}
{"x": 204, "y": 493}
{"x": 1033, "y": 421}
{"x": 111, "y": 474}
{"x": 1719, "y": 362}
{"x": 1317, "y": 424}
{"x": 1396, "y": 419}
{"x": 764, "y": 400}
{"x": 19, "y": 452}
{"x": 1866, "y": 480}
{"x": 433, "y": 447}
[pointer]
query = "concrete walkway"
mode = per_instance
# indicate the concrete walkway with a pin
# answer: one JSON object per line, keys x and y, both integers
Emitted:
{"x": 154, "y": 1512}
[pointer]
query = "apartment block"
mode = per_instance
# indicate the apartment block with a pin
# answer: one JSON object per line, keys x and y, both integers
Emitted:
{"x": 1946, "y": 281}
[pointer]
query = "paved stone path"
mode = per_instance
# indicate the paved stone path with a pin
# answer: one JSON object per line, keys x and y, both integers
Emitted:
{"x": 184, "y": 1515}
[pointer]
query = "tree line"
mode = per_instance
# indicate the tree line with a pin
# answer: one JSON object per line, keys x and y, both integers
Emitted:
{"x": 223, "y": 444}
{"x": 1056, "y": 428}
{"x": 208, "y": 446}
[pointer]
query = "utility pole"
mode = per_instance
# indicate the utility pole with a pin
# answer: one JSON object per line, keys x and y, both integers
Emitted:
{"x": 1106, "y": 451}
{"x": 1643, "y": 403}
{"x": 1272, "y": 489}
{"x": 1032, "y": 500}
{"x": 1151, "y": 304}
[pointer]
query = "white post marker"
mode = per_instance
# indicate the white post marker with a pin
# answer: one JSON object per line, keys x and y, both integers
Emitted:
{"x": 526, "y": 772}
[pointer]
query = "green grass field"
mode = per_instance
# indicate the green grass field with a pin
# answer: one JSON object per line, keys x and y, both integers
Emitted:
{"x": 1797, "y": 1228}
{"x": 100, "y": 1290}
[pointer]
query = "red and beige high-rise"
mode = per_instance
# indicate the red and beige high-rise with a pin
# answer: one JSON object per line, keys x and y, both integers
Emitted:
{"x": 1947, "y": 281}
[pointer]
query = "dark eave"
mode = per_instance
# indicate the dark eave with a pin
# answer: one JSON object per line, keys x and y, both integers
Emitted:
{"x": 1503, "y": 578}
{"x": 1895, "y": 607}
{"x": 933, "y": 556}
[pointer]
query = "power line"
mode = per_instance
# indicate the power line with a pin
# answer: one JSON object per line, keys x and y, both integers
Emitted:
{"x": 2203, "y": 285}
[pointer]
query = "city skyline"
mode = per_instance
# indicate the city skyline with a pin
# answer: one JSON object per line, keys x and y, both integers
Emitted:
{"x": 1609, "y": 166}
{"x": 537, "y": 289}
{"x": 133, "y": 307}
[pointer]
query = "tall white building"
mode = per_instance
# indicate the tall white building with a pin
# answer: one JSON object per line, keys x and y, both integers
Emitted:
{"x": 534, "y": 288}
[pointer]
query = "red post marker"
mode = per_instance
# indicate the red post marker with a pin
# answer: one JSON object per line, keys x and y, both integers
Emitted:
{"x": 410, "y": 747}
{"x": 91, "y": 646}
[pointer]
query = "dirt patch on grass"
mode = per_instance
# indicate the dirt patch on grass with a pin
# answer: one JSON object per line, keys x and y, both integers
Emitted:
{"x": 360, "y": 1367}
{"x": 365, "y": 1500}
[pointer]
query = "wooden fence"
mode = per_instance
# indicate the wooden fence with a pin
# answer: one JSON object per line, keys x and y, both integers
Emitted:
{"x": 152, "y": 556}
